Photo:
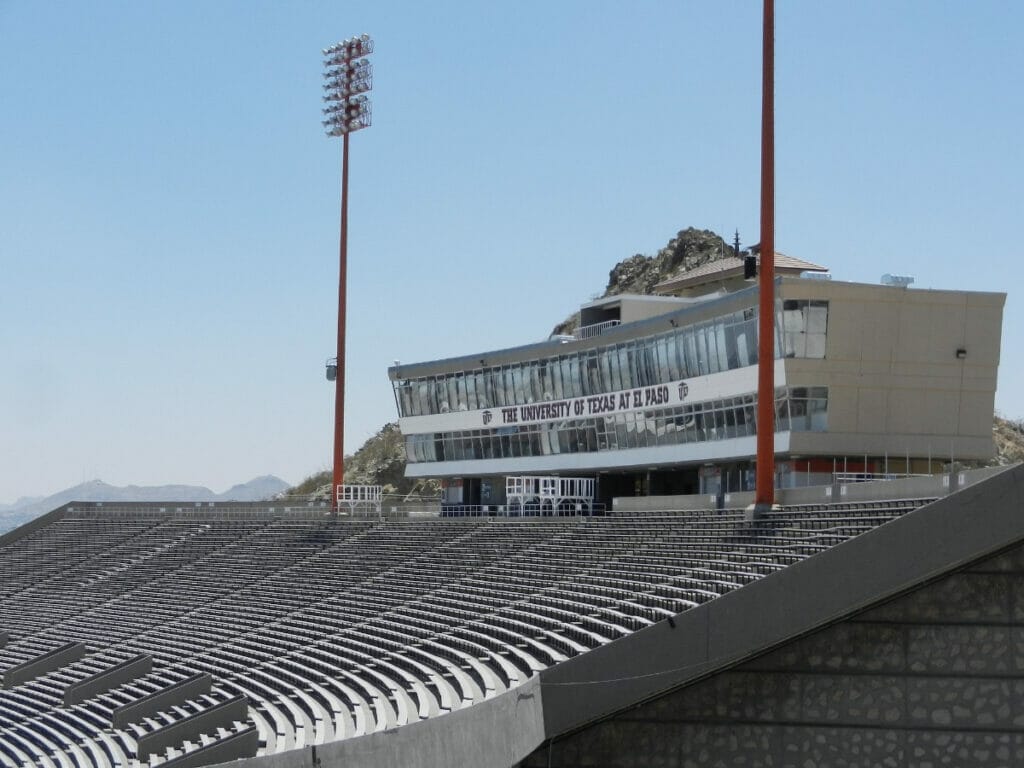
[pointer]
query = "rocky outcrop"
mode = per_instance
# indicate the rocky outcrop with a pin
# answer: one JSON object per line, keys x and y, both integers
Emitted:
{"x": 1008, "y": 435}
{"x": 690, "y": 248}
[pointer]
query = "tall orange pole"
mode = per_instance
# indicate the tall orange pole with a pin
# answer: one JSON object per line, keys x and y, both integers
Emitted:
{"x": 348, "y": 110}
{"x": 764, "y": 494}
{"x": 339, "y": 382}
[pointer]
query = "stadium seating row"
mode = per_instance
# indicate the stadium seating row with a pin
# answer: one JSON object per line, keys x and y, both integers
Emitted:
{"x": 309, "y": 629}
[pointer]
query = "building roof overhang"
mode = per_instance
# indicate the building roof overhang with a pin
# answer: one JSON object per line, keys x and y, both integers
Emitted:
{"x": 730, "y": 268}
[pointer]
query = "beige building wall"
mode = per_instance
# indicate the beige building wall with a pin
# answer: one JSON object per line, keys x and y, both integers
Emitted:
{"x": 896, "y": 384}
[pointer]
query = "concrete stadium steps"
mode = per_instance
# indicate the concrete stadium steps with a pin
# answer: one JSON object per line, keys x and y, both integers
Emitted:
{"x": 335, "y": 628}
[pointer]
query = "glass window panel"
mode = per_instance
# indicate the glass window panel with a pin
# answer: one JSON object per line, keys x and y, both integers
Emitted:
{"x": 814, "y": 346}
{"x": 672, "y": 357}
{"x": 671, "y": 360}
{"x": 518, "y": 385}
{"x": 661, "y": 359}
{"x": 636, "y": 361}
{"x": 744, "y": 347}
{"x": 723, "y": 348}
{"x": 782, "y": 415}
{"x": 449, "y": 397}
{"x": 619, "y": 427}
{"x": 818, "y": 409}
{"x": 573, "y": 384}
{"x": 501, "y": 390}
{"x": 536, "y": 387}
{"x": 702, "y": 351}
{"x": 566, "y": 436}
{"x": 483, "y": 396}
{"x": 435, "y": 395}
{"x": 426, "y": 391}
{"x": 606, "y": 370}
{"x": 730, "y": 421}
{"x": 646, "y": 363}
{"x": 817, "y": 317}
{"x": 592, "y": 381}
{"x": 555, "y": 379}
{"x": 709, "y": 334}
{"x": 404, "y": 394}
{"x": 642, "y": 440}
{"x": 723, "y": 357}
{"x": 624, "y": 368}
{"x": 613, "y": 368}
{"x": 798, "y": 411}
{"x": 547, "y": 391}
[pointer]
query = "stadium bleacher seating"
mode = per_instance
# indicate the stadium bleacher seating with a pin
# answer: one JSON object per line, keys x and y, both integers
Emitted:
{"x": 277, "y": 630}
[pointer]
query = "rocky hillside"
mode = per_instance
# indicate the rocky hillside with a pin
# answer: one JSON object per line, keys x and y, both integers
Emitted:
{"x": 690, "y": 248}
{"x": 1009, "y": 437}
{"x": 380, "y": 461}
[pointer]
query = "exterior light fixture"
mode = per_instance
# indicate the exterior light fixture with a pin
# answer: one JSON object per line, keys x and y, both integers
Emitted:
{"x": 348, "y": 74}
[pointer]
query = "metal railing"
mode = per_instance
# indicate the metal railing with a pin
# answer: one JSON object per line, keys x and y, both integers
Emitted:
{"x": 590, "y": 331}
{"x": 870, "y": 477}
{"x": 530, "y": 509}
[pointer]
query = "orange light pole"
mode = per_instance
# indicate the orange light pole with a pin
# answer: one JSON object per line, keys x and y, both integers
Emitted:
{"x": 347, "y": 111}
{"x": 764, "y": 493}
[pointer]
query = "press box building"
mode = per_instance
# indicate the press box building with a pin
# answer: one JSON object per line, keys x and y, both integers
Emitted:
{"x": 657, "y": 394}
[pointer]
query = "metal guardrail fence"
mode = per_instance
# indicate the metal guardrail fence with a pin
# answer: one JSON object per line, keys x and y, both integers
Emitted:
{"x": 531, "y": 509}
{"x": 590, "y": 331}
{"x": 870, "y": 477}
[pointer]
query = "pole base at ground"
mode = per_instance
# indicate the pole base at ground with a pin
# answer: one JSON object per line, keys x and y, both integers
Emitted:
{"x": 757, "y": 511}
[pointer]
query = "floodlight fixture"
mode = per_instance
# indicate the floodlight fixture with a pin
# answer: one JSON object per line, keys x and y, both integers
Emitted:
{"x": 349, "y": 75}
{"x": 346, "y": 81}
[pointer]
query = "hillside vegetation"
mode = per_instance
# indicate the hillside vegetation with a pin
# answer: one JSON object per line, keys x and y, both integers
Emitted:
{"x": 1009, "y": 437}
{"x": 380, "y": 461}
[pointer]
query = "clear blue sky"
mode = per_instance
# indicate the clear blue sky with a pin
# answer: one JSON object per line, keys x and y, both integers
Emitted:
{"x": 169, "y": 203}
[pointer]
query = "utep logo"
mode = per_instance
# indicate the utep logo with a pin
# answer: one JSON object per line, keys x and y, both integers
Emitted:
{"x": 487, "y": 417}
{"x": 684, "y": 390}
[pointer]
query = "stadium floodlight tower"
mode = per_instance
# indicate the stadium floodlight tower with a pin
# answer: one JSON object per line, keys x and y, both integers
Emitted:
{"x": 349, "y": 77}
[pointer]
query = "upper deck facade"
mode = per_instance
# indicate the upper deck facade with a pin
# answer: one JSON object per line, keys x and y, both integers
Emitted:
{"x": 862, "y": 372}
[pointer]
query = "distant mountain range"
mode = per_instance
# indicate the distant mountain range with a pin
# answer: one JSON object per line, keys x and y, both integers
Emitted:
{"x": 28, "y": 508}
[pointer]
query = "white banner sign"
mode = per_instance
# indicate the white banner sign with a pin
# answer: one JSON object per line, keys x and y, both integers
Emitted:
{"x": 695, "y": 390}
{"x": 657, "y": 396}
